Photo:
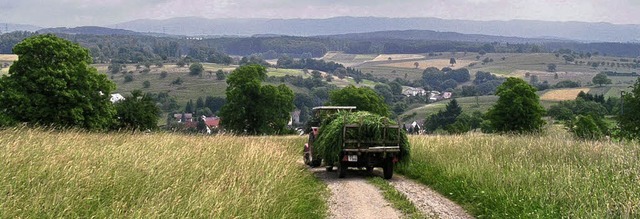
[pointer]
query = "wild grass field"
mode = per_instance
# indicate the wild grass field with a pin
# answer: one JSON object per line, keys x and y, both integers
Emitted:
{"x": 548, "y": 176}
{"x": 74, "y": 174}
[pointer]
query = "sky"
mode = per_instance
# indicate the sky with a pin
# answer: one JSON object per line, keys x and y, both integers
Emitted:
{"x": 71, "y": 13}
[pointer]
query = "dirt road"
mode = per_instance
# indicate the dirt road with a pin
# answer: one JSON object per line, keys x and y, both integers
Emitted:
{"x": 354, "y": 197}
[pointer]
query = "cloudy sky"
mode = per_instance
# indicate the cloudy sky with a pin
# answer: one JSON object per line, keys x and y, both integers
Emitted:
{"x": 50, "y": 13}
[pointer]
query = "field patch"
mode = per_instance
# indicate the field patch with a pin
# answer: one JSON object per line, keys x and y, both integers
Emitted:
{"x": 563, "y": 94}
{"x": 422, "y": 64}
{"x": 385, "y": 57}
{"x": 67, "y": 174}
{"x": 530, "y": 176}
{"x": 8, "y": 58}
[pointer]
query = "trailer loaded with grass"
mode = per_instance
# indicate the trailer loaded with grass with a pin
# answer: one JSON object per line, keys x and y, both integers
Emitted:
{"x": 359, "y": 139}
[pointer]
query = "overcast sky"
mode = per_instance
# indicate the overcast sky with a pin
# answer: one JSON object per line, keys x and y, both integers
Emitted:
{"x": 50, "y": 13}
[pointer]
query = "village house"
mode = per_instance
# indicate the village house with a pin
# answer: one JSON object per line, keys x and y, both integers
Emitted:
{"x": 183, "y": 117}
{"x": 413, "y": 91}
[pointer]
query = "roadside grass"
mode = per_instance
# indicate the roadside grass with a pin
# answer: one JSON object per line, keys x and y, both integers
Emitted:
{"x": 547, "y": 176}
{"x": 74, "y": 174}
{"x": 396, "y": 198}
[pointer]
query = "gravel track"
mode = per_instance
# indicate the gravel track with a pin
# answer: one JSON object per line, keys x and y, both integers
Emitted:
{"x": 354, "y": 197}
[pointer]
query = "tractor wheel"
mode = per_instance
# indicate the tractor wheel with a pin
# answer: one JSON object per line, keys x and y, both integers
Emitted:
{"x": 342, "y": 170}
{"x": 388, "y": 169}
{"x": 316, "y": 162}
{"x": 306, "y": 159}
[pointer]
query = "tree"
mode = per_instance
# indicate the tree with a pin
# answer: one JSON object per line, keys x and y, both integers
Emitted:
{"x": 600, "y": 79}
{"x": 52, "y": 83}
{"x": 416, "y": 64}
{"x": 518, "y": 108}
{"x": 587, "y": 127}
{"x": 442, "y": 119}
{"x": 137, "y": 112}
{"x": 189, "y": 107}
{"x": 214, "y": 103}
{"x": 629, "y": 119}
{"x": 452, "y": 61}
{"x": 196, "y": 69}
{"x": 163, "y": 74}
{"x": 114, "y": 68}
{"x": 363, "y": 98}
{"x": 220, "y": 76}
{"x": 252, "y": 108}
{"x": 551, "y": 67}
{"x": 146, "y": 84}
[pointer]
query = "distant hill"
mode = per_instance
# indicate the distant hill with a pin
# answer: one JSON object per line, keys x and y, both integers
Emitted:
{"x": 89, "y": 30}
{"x": 435, "y": 35}
{"x": 580, "y": 31}
{"x": 7, "y": 27}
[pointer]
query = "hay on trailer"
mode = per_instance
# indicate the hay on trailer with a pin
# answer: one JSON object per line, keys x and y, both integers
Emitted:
{"x": 372, "y": 126}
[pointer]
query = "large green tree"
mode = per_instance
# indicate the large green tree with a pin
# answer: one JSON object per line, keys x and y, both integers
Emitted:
{"x": 252, "y": 108}
{"x": 600, "y": 79}
{"x": 629, "y": 119}
{"x": 363, "y": 98}
{"x": 518, "y": 109}
{"x": 137, "y": 112}
{"x": 52, "y": 83}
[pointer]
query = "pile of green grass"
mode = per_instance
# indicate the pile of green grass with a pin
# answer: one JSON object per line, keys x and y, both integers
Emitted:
{"x": 330, "y": 140}
{"x": 551, "y": 176}
{"x": 69, "y": 174}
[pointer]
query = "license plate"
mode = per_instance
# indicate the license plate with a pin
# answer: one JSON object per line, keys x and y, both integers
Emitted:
{"x": 352, "y": 158}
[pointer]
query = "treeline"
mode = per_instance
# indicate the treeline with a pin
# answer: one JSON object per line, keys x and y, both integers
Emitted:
{"x": 140, "y": 48}
{"x": 132, "y": 48}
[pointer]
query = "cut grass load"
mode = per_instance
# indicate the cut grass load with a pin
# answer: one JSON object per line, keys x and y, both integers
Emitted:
{"x": 330, "y": 140}
{"x": 550, "y": 176}
{"x": 69, "y": 174}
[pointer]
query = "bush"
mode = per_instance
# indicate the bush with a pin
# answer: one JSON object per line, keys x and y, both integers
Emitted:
{"x": 588, "y": 127}
{"x": 128, "y": 78}
{"x": 163, "y": 74}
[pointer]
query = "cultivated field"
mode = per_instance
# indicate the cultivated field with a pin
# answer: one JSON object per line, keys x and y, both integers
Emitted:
{"x": 549, "y": 176}
{"x": 385, "y": 57}
{"x": 563, "y": 94}
{"x": 422, "y": 64}
{"x": 70, "y": 174}
{"x": 8, "y": 58}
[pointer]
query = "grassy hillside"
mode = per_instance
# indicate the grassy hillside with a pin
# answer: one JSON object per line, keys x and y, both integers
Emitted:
{"x": 550, "y": 176}
{"x": 70, "y": 174}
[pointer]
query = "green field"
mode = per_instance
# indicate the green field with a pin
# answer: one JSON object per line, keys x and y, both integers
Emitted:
{"x": 71, "y": 174}
{"x": 548, "y": 176}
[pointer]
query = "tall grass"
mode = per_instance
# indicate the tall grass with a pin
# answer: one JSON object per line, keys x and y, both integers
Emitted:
{"x": 74, "y": 174}
{"x": 550, "y": 176}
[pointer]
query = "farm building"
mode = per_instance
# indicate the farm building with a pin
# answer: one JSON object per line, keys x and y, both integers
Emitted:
{"x": 414, "y": 91}
{"x": 116, "y": 97}
{"x": 183, "y": 117}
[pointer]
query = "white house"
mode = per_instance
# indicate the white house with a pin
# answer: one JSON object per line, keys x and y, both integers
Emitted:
{"x": 116, "y": 97}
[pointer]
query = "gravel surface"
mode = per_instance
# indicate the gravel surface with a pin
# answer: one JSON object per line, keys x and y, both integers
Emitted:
{"x": 426, "y": 200}
{"x": 354, "y": 197}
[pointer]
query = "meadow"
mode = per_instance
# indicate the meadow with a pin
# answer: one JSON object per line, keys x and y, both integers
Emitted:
{"x": 74, "y": 174}
{"x": 547, "y": 176}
